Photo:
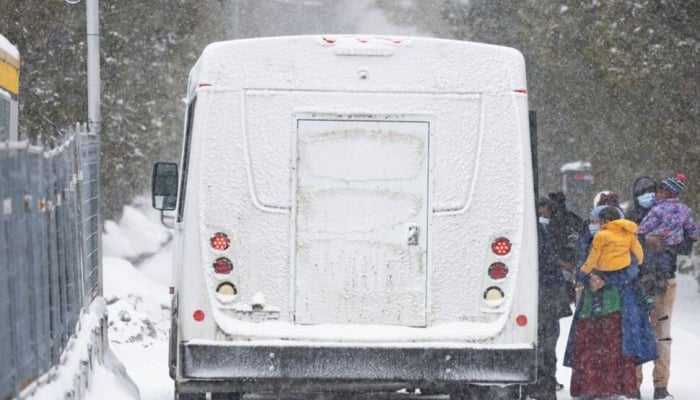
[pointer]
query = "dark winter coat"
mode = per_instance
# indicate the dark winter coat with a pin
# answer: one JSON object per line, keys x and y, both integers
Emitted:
{"x": 564, "y": 227}
{"x": 637, "y": 214}
{"x": 553, "y": 302}
{"x": 641, "y": 185}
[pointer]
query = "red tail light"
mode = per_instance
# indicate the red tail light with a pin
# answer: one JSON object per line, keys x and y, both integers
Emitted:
{"x": 501, "y": 246}
{"x": 498, "y": 270}
{"x": 223, "y": 265}
{"x": 521, "y": 320}
{"x": 220, "y": 241}
{"x": 198, "y": 315}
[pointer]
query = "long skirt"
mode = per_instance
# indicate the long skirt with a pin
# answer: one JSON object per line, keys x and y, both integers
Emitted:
{"x": 599, "y": 368}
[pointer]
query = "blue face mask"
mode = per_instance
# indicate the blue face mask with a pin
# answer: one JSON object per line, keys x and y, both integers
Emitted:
{"x": 543, "y": 220}
{"x": 593, "y": 228}
{"x": 646, "y": 200}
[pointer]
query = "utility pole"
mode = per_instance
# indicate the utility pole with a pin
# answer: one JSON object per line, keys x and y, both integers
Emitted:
{"x": 93, "y": 66}
{"x": 91, "y": 205}
{"x": 92, "y": 16}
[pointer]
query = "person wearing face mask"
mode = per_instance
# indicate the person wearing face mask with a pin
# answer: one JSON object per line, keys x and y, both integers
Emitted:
{"x": 644, "y": 193}
{"x": 565, "y": 226}
{"x": 552, "y": 305}
{"x": 668, "y": 223}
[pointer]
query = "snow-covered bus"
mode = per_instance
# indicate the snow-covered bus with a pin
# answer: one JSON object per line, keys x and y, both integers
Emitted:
{"x": 353, "y": 213}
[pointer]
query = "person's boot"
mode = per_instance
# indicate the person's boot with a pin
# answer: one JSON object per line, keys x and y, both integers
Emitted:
{"x": 660, "y": 393}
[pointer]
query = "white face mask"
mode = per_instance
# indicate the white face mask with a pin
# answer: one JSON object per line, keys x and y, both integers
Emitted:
{"x": 593, "y": 228}
{"x": 544, "y": 220}
{"x": 646, "y": 200}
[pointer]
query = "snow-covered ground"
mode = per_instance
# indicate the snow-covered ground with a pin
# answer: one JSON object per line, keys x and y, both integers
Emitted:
{"x": 138, "y": 304}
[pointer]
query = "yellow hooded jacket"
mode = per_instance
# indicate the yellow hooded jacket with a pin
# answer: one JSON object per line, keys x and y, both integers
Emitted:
{"x": 611, "y": 247}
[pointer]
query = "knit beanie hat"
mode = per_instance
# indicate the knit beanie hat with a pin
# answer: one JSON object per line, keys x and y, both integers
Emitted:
{"x": 674, "y": 184}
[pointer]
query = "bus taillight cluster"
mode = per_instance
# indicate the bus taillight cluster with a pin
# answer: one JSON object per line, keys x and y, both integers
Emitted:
{"x": 498, "y": 271}
{"x": 226, "y": 291}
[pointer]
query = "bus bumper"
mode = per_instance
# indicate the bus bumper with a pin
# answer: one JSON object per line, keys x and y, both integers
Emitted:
{"x": 214, "y": 367}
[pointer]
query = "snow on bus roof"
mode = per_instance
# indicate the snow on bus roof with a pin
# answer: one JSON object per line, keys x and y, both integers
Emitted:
{"x": 309, "y": 62}
{"x": 8, "y": 47}
{"x": 575, "y": 166}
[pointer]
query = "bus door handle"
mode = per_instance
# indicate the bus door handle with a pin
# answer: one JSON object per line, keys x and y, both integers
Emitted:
{"x": 413, "y": 236}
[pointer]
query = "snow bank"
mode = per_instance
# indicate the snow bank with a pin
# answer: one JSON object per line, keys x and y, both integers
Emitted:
{"x": 82, "y": 361}
{"x": 137, "y": 234}
{"x": 110, "y": 381}
{"x": 138, "y": 306}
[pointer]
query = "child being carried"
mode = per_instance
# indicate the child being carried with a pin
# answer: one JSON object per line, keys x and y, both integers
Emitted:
{"x": 611, "y": 250}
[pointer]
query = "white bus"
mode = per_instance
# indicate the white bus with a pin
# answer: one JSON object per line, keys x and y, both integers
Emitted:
{"x": 353, "y": 213}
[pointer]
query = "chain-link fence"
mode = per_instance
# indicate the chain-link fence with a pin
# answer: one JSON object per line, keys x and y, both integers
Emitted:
{"x": 49, "y": 260}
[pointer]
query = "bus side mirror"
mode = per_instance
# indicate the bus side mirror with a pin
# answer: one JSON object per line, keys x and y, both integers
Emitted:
{"x": 164, "y": 186}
